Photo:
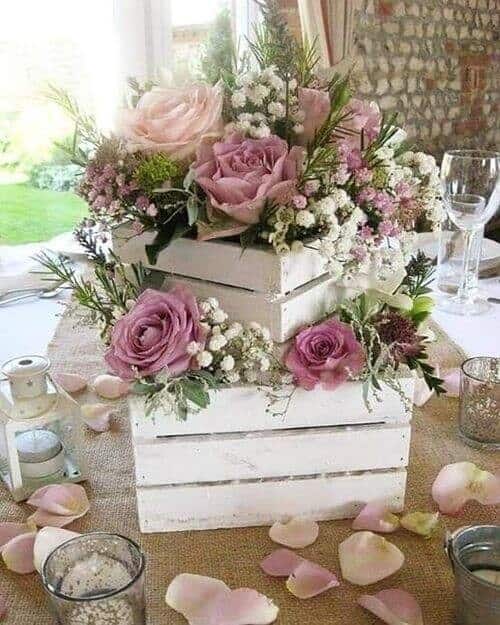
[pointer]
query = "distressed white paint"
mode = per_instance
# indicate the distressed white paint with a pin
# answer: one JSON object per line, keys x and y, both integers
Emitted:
{"x": 276, "y": 453}
{"x": 242, "y": 504}
{"x": 243, "y": 409}
{"x": 256, "y": 268}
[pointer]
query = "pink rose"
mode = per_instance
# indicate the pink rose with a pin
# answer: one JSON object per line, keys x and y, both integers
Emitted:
{"x": 316, "y": 106}
{"x": 364, "y": 117}
{"x": 155, "y": 334}
{"x": 326, "y": 354}
{"x": 172, "y": 121}
{"x": 240, "y": 174}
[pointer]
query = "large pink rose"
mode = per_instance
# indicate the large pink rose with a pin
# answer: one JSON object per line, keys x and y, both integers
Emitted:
{"x": 326, "y": 354}
{"x": 172, "y": 121}
{"x": 240, "y": 174}
{"x": 363, "y": 117}
{"x": 155, "y": 334}
{"x": 316, "y": 106}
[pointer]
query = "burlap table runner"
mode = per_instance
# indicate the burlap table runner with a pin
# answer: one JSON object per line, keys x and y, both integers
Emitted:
{"x": 233, "y": 555}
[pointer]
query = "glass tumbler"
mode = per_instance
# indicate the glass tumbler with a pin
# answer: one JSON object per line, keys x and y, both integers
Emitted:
{"x": 479, "y": 419}
{"x": 97, "y": 579}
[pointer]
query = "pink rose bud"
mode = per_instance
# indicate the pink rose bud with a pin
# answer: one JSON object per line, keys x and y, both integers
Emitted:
{"x": 311, "y": 187}
{"x": 299, "y": 201}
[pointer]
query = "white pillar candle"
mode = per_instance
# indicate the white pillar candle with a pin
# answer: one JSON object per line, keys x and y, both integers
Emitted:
{"x": 40, "y": 453}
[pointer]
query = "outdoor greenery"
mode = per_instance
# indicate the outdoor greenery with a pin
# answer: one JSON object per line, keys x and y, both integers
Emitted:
{"x": 29, "y": 215}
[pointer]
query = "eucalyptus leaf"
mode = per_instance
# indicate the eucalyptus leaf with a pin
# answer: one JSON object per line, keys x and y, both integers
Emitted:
{"x": 195, "y": 392}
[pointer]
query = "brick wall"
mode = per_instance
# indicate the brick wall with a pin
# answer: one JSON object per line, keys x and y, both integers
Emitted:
{"x": 436, "y": 62}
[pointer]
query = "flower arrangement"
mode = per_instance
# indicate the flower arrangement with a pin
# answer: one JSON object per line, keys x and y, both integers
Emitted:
{"x": 272, "y": 153}
{"x": 176, "y": 349}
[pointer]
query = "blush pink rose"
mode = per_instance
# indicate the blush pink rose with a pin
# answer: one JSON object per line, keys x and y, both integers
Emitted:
{"x": 239, "y": 174}
{"x": 172, "y": 121}
{"x": 364, "y": 117}
{"x": 325, "y": 354}
{"x": 155, "y": 334}
{"x": 316, "y": 106}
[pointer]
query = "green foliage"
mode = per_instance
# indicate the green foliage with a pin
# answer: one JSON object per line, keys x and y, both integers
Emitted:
{"x": 218, "y": 53}
{"x": 154, "y": 171}
{"x": 137, "y": 90}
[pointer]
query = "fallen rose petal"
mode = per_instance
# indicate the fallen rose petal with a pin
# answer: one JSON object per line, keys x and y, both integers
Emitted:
{"x": 97, "y": 416}
{"x": 70, "y": 382}
{"x": 110, "y": 386}
{"x": 18, "y": 553}
{"x": 280, "y": 563}
{"x": 310, "y": 579}
{"x": 47, "y": 539}
{"x": 68, "y": 501}
{"x": 422, "y": 523}
{"x": 9, "y": 530}
{"x": 394, "y": 606}
{"x": 189, "y": 594}
{"x": 451, "y": 382}
{"x": 242, "y": 606}
{"x": 366, "y": 558}
{"x": 297, "y": 533}
{"x": 422, "y": 393}
{"x": 459, "y": 482}
{"x": 377, "y": 518}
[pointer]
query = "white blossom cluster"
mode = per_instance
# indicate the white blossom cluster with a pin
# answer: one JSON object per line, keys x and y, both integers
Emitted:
{"x": 260, "y": 100}
{"x": 233, "y": 352}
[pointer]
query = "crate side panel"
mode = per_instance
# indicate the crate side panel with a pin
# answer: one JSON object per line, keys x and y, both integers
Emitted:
{"x": 178, "y": 508}
{"x": 186, "y": 459}
{"x": 243, "y": 409}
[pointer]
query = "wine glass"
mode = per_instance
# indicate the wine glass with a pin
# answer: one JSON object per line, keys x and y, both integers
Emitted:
{"x": 471, "y": 195}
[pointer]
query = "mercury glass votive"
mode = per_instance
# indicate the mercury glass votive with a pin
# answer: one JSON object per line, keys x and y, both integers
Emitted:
{"x": 479, "y": 418}
{"x": 96, "y": 579}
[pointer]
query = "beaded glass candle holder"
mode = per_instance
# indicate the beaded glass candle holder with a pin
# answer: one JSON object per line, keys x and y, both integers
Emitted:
{"x": 96, "y": 579}
{"x": 479, "y": 418}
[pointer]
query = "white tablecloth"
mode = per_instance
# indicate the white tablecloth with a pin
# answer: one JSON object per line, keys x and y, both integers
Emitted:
{"x": 27, "y": 327}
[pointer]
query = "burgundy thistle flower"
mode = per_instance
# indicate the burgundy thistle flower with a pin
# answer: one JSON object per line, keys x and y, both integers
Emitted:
{"x": 326, "y": 354}
{"x": 400, "y": 335}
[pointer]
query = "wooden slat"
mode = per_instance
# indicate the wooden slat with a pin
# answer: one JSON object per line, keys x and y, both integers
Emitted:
{"x": 257, "y": 269}
{"x": 278, "y": 453}
{"x": 194, "y": 507}
{"x": 243, "y": 409}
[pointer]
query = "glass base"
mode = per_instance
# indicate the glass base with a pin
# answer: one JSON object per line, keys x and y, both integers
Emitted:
{"x": 458, "y": 306}
{"x": 483, "y": 445}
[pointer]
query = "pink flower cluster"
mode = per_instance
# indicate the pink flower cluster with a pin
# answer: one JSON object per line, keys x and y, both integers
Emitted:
{"x": 106, "y": 189}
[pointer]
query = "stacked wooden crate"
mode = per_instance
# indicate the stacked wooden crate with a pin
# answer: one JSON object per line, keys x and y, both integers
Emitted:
{"x": 235, "y": 464}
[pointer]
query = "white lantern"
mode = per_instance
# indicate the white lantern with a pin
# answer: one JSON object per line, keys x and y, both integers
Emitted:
{"x": 41, "y": 432}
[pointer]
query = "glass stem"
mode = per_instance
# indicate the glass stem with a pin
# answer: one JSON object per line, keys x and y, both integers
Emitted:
{"x": 469, "y": 268}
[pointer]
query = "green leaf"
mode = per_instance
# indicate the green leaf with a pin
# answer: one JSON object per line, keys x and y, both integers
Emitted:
{"x": 248, "y": 237}
{"x": 173, "y": 229}
{"x": 192, "y": 210}
{"x": 195, "y": 392}
{"x": 142, "y": 387}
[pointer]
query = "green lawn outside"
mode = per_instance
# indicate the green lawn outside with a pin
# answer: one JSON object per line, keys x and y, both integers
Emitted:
{"x": 29, "y": 215}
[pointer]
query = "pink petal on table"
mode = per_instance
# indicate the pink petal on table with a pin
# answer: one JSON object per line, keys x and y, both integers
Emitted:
{"x": 190, "y": 595}
{"x": 18, "y": 553}
{"x": 422, "y": 393}
{"x": 366, "y": 558}
{"x": 70, "y": 382}
{"x": 110, "y": 386}
{"x": 280, "y": 563}
{"x": 376, "y": 517}
{"x": 97, "y": 416}
{"x": 422, "y": 523}
{"x": 65, "y": 499}
{"x": 47, "y": 539}
{"x": 459, "y": 482}
{"x": 394, "y": 606}
{"x": 451, "y": 382}
{"x": 42, "y": 518}
{"x": 8, "y": 531}
{"x": 242, "y": 606}
{"x": 296, "y": 533}
{"x": 310, "y": 579}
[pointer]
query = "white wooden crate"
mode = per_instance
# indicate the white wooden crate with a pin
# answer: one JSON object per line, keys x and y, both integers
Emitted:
{"x": 234, "y": 464}
{"x": 224, "y": 262}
